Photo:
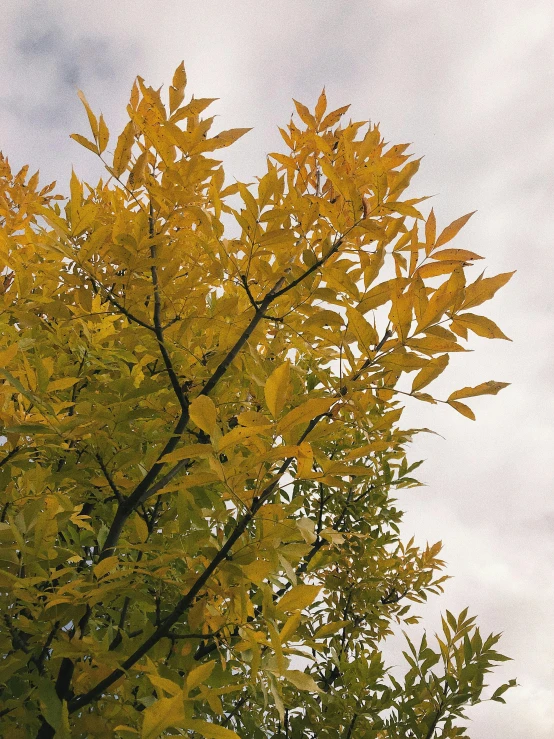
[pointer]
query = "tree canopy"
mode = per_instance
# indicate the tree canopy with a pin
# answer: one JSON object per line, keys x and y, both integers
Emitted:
{"x": 202, "y": 386}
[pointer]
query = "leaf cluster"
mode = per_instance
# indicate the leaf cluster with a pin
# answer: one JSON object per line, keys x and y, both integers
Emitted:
{"x": 203, "y": 438}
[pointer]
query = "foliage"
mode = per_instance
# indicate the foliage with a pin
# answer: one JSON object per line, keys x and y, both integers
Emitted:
{"x": 202, "y": 437}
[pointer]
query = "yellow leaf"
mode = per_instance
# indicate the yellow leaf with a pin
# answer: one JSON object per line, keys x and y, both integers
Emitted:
{"x": 304, "y": 413}
{"x": 257, "y": 571}
{"x": 84, "y": 142}
{"x": 432, "y": 370}
{"x": 105, "y": 566}
{"x": 299, "y": 597}
{"x": 434, "y": 345}
{"x": 443, "y": 298}
{"x": 307, "y": 529}
{"x": 330, "y": 629}
{"x": 321, "y": 106}
{"x": 461, "y": 255}
{"x": 400, "y": 359}
{"x": 62, "y": 384}
{"x": 277, "y": 647}
{"x": 103, "y": 134}
{"x": 451, "y": 230}
{"x": 186, "y": 452}
{"x": 252, "y": 418}
{"x": 372, "y": 228}
{"x": 364, "y": 332}
{"x": 405, "y": 209}
{"x": 481, "y": 326}
{"x": 367, "y": 449}
{"x": 305, "y": 458}
{"x": 123, "y": 149}
{"x": 402, "y": 180}
{"x": 239, "y": 434}
{"x": 177, "y": 89}
{"x": 8, "y": 354}
{"x": 199, "y": 675}
{"x": 430, "y": 232}
{"x": 277, "y": 388}
{"x": 305, "y": 114}
{"x": 91, "y": 117}
{"x": 163, "y": 714}
{"x": 290, "y": 627}
{"x": 203, "y": 413}
{"x": 166, "y": 685}
{"x": 141, "y": 528}
{"x": 209, "y": 730}
{"x": 333, "y": 117}
{"x": 302, "y": 681}
{"x": 223, "y": 139}
{"x": 485, "y": 388}
{"x": 483, "y": 289}
{"x": 401, "y": 314}
{"x": 463, "y": 409}
{"x": 434, "y": 269}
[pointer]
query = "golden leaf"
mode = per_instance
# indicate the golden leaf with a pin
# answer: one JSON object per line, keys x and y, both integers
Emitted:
{"x": 430, "y": 232}
{"x": 484, "y": 288}
{"x": 123, "y": 149}
{"x": 364, "y": 332}
{"x": 481, "y": 326}
{"x": 298, "y": 598}
{"x": 305, "y": 115}
{"x": 165, "y": 713}
{"x": 450, "y": 231}
{"x": 277, "y": 388}
{"x": 198, "y": 675}
{"x": 203, "y": 413}
{"x": 463, "y": 409}
{"x": 304, "y": 413}
{"x": 91, "y": 117}
{"x": 428, "y": 373}
{"x": 461, "y": 255}
{"x": 485, "y": 388}
{"x": 321, "y": 106}
{"x": 84, "y": 142}
{"x": 401, "y": 314}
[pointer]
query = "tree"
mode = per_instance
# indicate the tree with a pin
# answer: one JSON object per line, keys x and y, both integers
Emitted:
{"x": 203, "y": 440}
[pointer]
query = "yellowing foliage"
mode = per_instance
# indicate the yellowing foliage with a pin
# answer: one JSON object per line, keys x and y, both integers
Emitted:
{"x": 202, "y": 439}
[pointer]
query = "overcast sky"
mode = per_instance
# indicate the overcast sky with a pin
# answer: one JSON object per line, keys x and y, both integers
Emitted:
{"x": 471, "y": 84}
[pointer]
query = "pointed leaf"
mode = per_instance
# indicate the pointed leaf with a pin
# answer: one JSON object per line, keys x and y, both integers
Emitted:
{"x": 165, "y": 713}
{"x": 431, "y": 371}
{"x": 302, "y": 681}
{"x": 298, "y": 598}
{"x": 84, "y": 142}
{"x": 484, "y": 288}
{"x": 276, "y": 389}
{"x": 451, "y": 230}
{"x": 485, "y": 388}
{"x": 123, "y": 149}
{"x": 463, "y": 409}
{"x": 203, "y": 413}
{"x": 481, "y": 326}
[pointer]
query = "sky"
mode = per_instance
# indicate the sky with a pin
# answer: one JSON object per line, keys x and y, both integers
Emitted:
{"x": 470, "y": 83}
